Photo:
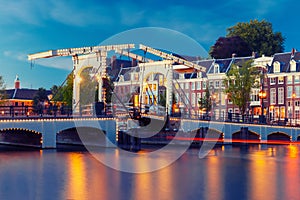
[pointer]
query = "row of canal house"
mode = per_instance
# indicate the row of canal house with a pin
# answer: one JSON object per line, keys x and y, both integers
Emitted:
{"x": 281, "y": 83}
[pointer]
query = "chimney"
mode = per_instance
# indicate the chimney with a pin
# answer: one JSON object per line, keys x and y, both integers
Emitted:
{"x": 293, "y": 51}
{"x": 17, "y": 82}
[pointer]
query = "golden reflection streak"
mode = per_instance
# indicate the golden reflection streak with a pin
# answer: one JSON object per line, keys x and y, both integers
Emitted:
{"x": 143, "y": 182}
{"x": 262, "y": 181}
{"x": 76, "y": 180}
{"x": 154, "y": 185}
{"x": 214, "y": 180}
{"x": 291, "y": 173}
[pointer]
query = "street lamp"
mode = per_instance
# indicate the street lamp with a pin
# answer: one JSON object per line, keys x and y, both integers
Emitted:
{"x": 293, "y": 106}
{"x": 262, "y": 95}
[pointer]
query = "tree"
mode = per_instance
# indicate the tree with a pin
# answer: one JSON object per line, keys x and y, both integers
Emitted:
{"x": 259, "y": 36}
{"x": 238, "y": 84}
{"x": 57, "y": 93}
{"x": 226, "y": 46}
{"x": 67, "y": 90}
{"x": 39, "y": 99}
{"x": 2, "y": 89}
{"x": 88, "y": 87}
{"x": 108, "y": 85}
{"x": 205, "y": 102}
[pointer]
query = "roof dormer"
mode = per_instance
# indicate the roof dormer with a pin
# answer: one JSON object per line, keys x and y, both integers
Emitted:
{"x": 216, "y": 68}
{"x": 293, "y": 65}
{"x": 276, "y": 66}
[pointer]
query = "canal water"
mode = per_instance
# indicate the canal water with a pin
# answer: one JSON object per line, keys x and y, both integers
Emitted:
{"x": 227, "y": 172}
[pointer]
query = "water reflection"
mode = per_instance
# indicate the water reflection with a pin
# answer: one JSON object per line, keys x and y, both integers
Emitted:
{"x": 244, "y": 172}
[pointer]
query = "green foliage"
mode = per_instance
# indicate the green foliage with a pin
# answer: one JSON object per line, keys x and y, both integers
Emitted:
{"x": 67, "y": 90}
{"x": 57, "y": 93}
{"x": 205, "y": 102}
{"x": 2, "y": 89}
{"x": 108, "y": 85}
{"x": 162, "y": 99}
{"x": 39, "y": 99}
{"x": 238, "y": 84}
{"x": 226, "y": 46}
{"x": 259, "y": 36}
{"x": 88, "y": 86}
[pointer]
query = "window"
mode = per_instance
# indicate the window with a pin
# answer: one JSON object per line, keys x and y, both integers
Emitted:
{"x": 134, "y": 76}
{"x": 280, "y": 80}
{"x": 216, "y": 68}
{"x": 293, "y": 65}
{"x": 290, "y": 79}
{"x": 193, "y": 99}
{"x": 272, "y": 81}
{"x": 222, "y": 84}
{"x": 273, "y": 96}
{"x": 211, "y": 84}
{"x": 296, "y": 79}
{"x": 198, "y": 85}
{"x": 297, "y": 91}
{"x": 280, "y": 95}
{"x": 204, "y": 84}
{"x": 217, "y": 84}
{"x": 193, "y": 85}
{"x": 289, "y": 91}
{"x": 276, "y": 67}
{"x": 254, "y": 95}
{"x": 182, "y": 86}
{"x": 187, "y": 85}
{"x": 198, "y": 97}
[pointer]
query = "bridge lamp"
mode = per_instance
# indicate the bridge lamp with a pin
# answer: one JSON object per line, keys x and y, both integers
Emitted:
{"x": 262, "y": 95}
{"x": 78, "y": 79}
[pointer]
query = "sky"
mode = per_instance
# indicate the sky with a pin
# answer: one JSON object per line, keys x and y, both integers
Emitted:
{"x": 29, "y": 26}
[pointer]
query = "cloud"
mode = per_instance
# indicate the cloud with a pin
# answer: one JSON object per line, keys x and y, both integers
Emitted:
{"x": 58, "y": 62}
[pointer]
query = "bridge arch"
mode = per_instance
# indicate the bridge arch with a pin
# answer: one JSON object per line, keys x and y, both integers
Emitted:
{"x": 82, "y": 135}
{"x": 248, "y": 135}
{"x": 208, "y": 134}
{"x": 21, "y": 136}
{"x": 279, "y": 137}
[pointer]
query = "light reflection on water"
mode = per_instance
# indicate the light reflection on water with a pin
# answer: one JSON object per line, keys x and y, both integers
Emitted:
{"x": 253, "y": 172}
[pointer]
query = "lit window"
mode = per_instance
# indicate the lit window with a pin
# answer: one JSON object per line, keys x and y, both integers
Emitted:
{"x": 290, "y": 79}
{"x": 276, "y": 67}
{"x": 280, "y": 80}
{"x": 296, "y": 79}
{"x": 272, "y": 81}
{"x": 293, "y": 65}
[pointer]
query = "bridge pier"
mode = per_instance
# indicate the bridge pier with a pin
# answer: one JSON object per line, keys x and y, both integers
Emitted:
{"x": 48, "y": 135}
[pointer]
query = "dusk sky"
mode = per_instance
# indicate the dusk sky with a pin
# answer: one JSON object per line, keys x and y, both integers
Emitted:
{"x": 33, "y": 26}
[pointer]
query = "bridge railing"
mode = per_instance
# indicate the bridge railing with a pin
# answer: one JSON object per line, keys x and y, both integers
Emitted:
{"x": 247, "y": 118}
{"x": 34, "y": 111}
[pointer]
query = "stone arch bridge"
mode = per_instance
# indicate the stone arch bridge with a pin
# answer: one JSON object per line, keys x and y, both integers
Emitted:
{"x": 43, "y": 132}
{"x": 259, "y": 132}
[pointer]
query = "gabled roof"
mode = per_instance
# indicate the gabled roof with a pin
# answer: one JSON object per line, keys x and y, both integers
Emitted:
{"x": 283, "y": 59}
{"x": 224, "y": 65}
{"x": 23, "y": 94}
